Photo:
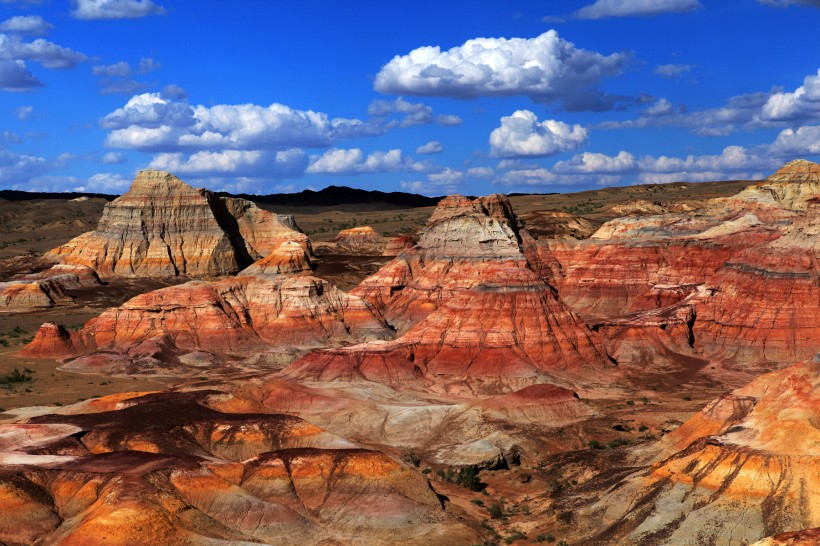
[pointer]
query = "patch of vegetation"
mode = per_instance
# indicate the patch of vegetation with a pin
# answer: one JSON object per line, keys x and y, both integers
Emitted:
{"x": 544, "y": 538}
{"x": 595, "y": 444}
{"x": 465, "y": 477}
{"x": 14, "y": 377}
{"x": 496, "y": 511}
{"x": 617, "y": 442}
{"x": 643, "y": 428}
{"x": 477, "y": 502}
{"x": 517, "y": 534}
{"x": 412, "y": 459}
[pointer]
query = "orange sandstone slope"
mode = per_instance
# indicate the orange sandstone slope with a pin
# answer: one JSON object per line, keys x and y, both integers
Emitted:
{"x": 163, "y": 227}
{"x": 166, "y": 469}
{"x": 273, "y": 307}
{"x": 474, "y": 309}
{"x": 746, "y": 467}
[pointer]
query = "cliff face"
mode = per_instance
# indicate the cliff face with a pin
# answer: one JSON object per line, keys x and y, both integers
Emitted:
{"x": 747, "y": 466}
{"x": 217, "y": 321}
{"x": 745, "y": 266}
{"x": 163, "y": 227}
{"x": 473, "y": 308}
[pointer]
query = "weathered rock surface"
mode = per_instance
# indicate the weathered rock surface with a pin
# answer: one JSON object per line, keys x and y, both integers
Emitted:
{"x": 751, "y": 259}
{"x": 232, "y": 318}
{"x": 473, "y": 310}
{"x": 166, "y": 469}
{"x": 365, "y": 240}
{"x": 746, "y": 467}
{"x": 50, "y": 341}
{"x": 289, "y": 258}
{"x": 163, "y": 227}
{"x": 20, "y": 296}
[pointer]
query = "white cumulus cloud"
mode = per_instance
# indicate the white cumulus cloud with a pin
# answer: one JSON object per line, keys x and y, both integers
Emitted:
{"x": 114, "y": 9}
{"x": 15, "y": 76}
{"x": 33, "y": 25}
{"x": 624, "y": 8}
{"x": 339, "y": 161}
{"x": 673, "y": 70}
{"x": 49, "y": 54}
{"x": 522, "y": 135}
{"x": 154, "y": 123}
{"x": 545, "y": 67}
{"x": 234, "y": 163}
{"x": 432, "y": 147}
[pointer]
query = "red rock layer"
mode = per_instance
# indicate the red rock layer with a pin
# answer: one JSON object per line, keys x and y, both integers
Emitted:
{"x": 746, "y": 467}
{"x": 239, "y": 316}
{"x": 50, "y": 341}
{"x": 755, "y": 254}
{"x": 163, "y": 227}
{"x": 474, "y": 310}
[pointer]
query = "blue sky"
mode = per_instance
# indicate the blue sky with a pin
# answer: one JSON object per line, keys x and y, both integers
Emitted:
{"x": 431, "y": 97}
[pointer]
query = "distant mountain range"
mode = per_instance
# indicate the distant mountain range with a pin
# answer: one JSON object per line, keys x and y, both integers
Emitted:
{"x": 332, "y": 195}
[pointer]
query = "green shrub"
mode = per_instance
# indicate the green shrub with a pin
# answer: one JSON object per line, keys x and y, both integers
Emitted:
{"x": 595, "y": 444}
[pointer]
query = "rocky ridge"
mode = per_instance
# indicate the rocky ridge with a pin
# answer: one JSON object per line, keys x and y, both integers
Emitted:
{"x": 163, "y": 227}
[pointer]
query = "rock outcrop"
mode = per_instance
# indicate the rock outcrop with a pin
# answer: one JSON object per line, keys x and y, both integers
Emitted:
{"x": 750, "y": 259}
{"x": 366, "y": 241}
{"x": 473, "y": 309}
{"x": 166, "y": 469}
{"x": 210, "y": 321}
{"x": 20, "y": 296}
{"x": 746, "y": 467}
{"x": 163, "y": 227}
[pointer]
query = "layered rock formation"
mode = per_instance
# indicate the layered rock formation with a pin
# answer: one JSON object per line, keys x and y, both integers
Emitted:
{"x": 745, "y": 266}
{"x": 163, "y": 227}
{"x": 473, "y": 310}
{"x": 18, "y": 296}
{"x": 365, "y": 240}
{"x": 746, "y": 467}
{"x": 166, "y": 469}
{"x": 178, "y": 329}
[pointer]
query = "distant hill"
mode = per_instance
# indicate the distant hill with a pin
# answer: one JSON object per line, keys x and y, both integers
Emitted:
{"x": 340, "y": 195}
{"x": 16, "y": 195}
{"x": 330, "y": 196}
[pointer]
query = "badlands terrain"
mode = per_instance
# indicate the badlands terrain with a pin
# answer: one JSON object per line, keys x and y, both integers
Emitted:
{"x": 622, "y": 366}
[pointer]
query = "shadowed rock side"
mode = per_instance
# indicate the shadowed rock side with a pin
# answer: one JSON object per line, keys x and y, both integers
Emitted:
{"x": 273, "y": 306}
{"x": 473, "y": 310}
{"x": 16, "y": 296}
{"x": 163, "y": 227}
{"x": 806, "y": 537}
{"x": 747, "y": 466}
{"x": 744, "y": 266}
{"x": 165, "y": 469}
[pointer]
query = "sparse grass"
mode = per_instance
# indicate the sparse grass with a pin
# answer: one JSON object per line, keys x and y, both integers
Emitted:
{"x": 14, "y": 377}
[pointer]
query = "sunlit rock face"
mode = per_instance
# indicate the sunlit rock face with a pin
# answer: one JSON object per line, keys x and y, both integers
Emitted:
{"x": 747, "y": 466}
{"x": 473, "y": 308}
{"x": 167, "y": 469}
{"x": 746, "y": 266}
{"x": 163, "y": 227}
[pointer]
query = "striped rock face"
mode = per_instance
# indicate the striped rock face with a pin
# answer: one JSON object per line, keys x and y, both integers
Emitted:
{"x": 163, "y": 227}
{"x": 165, "y": 468}
{"x": 473, "y": 308}
{"x": 747, "y": 466}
